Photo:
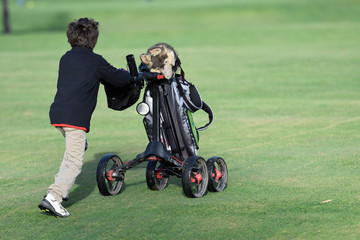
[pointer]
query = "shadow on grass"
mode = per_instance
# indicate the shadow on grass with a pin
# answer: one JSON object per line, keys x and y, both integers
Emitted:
{"x": 86, "y": 181}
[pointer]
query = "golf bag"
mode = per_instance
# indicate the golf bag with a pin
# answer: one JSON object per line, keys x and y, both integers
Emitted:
{"x": 178, "y": 100}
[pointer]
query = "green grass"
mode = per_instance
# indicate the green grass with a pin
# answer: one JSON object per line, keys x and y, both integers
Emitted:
{"x": 282, "y": 77}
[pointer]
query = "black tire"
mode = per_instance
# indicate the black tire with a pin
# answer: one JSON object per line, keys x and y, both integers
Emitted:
{"x": 107, "y": 184}
{"x": 156, "y": 177}
{"x": 195, "y": 177}
{"x": 218, "y": 174}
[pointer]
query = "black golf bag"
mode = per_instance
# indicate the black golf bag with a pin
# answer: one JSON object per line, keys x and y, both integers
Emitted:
{"x": 178, "y": 100}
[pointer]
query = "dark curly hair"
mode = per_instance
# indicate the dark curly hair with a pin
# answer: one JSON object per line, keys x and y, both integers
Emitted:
{"x": 83, "y": 33}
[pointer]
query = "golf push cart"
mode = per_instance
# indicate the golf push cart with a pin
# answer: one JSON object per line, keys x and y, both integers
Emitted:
{"x": 167, "y": 152}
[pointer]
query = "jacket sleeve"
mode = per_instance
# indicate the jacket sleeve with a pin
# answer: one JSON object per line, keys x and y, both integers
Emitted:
{"x": 112, "y": 75}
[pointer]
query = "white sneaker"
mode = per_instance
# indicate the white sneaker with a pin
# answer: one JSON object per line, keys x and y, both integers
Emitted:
{"x": 50, "y": 205}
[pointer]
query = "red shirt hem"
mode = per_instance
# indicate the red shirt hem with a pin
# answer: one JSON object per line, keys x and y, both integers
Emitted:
{"x": 67, "y": 125}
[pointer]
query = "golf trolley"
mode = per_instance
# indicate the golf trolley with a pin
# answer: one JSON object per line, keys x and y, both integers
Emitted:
{"x": 197, "y": 175}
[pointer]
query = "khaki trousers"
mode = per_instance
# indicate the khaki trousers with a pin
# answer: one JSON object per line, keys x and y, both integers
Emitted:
{"x": 72, "y": 162}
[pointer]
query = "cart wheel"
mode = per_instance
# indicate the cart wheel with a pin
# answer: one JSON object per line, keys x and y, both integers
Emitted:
{"x": 156, "y": 177}
{"x": 195, "y": 177}
{"x": 107, "y": 184}
{"x": 218, "y": 174}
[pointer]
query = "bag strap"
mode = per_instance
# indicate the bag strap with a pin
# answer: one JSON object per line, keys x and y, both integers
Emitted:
{"x": 193, "y": 99}
{"x": 194, "y": 102}
{"x": 208, "y": 110}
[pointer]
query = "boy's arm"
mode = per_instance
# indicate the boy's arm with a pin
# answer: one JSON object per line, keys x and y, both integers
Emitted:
{"x": 112, "y": 75}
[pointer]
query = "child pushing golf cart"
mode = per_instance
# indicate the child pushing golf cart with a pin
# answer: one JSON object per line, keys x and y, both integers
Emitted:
{"x": 168, "y": 103}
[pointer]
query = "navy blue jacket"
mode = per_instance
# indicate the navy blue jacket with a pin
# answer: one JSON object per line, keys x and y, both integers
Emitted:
{"x": 80, "y": 73}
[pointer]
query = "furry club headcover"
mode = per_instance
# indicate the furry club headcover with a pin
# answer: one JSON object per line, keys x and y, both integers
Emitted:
{"x": 160, "y": 58}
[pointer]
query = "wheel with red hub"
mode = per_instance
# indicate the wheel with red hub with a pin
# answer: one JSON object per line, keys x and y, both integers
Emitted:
{"x": 157, "y": 177}
{"x": 195, "y": 177}
{"x": 218, "y": 174}
{"x": 107, "y": 183}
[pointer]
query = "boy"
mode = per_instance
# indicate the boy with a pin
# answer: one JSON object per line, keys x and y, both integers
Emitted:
{"x": 80, "y": 73}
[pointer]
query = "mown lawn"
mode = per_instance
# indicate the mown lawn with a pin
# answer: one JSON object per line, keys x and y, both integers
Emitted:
{"x": 282, "y": 77}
